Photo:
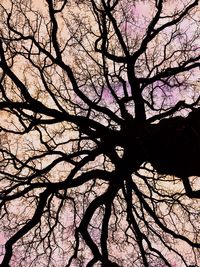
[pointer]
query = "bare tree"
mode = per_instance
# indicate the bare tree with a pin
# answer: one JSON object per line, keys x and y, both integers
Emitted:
{"x": 100, "y": 133}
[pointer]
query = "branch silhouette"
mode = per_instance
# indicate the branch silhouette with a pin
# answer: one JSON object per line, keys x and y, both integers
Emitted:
{"x": 99, "y": 133}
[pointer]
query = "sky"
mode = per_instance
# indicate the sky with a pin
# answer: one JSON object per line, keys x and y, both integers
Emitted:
{"x": 141, "y": 12}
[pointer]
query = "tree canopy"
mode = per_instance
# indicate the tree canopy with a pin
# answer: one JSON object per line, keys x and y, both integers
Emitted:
{"x": 100, "y": 133}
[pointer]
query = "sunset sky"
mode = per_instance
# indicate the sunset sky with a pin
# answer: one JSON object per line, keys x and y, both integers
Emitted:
{"x": 78, "y": 34}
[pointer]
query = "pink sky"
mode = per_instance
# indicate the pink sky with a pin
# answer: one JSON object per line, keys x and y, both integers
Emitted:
{"x": 142, "y": 11}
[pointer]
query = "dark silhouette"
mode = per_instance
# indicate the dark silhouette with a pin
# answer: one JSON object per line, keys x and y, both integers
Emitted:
{"x": 100, "y": 133}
